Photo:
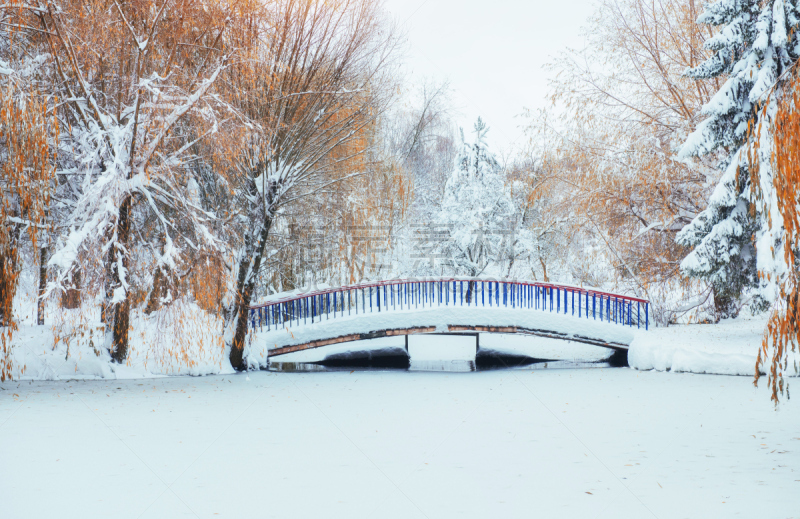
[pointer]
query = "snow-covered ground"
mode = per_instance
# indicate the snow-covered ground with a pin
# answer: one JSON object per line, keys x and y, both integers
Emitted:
{"x": 159, "y": 346}
{"x": 606, "y": 443}
{"x": 727, "y": 348}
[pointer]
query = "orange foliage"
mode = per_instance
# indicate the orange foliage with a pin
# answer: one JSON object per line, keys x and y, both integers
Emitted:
{"x": 27, "y": 171}
{"x": 627, "y": 109}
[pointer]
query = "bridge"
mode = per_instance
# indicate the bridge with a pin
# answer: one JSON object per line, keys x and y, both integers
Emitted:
{"x": 301, "y": 321}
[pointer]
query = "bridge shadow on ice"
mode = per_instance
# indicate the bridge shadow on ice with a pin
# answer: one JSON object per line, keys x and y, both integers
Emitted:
{"x": 397, "y": 358}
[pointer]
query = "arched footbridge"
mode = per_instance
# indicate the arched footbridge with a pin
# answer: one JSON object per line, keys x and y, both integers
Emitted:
{"x": 300, "y": 321}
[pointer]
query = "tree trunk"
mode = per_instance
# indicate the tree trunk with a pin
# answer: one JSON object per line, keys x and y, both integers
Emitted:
{"x": 470, "y": 291}
{"x": 71, "y": 297}
{"x": 42, "y": 286}
{"x": 8, "y": 277}
{"x": 8, "y": 287}
{"x": 245, "y": 285}
{"x": 725, "y": 303}
{"x": 158, "y": 292}
{"x": 122, "y": 309}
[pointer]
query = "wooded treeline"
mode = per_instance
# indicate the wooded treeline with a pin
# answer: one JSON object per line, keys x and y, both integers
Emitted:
{"x": 152, "y": 150}
{"x": 170, "y": 152}
{"x": 671, "y": 146}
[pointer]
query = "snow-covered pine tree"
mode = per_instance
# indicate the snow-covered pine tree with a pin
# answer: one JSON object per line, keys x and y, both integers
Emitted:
{"x": 477, "y": 208}
{"x": 757, "y": 43}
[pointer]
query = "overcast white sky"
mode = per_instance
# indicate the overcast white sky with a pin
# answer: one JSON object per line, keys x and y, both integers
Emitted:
{"x": 491, "y": 51}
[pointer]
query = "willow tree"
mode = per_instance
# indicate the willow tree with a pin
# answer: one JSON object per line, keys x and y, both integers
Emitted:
{"x": 312, "y": 87}
{"x": 776, "y": 193}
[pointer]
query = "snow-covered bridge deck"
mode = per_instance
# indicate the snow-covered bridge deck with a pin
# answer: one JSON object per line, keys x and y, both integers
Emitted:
{"x": 302, "y": 321}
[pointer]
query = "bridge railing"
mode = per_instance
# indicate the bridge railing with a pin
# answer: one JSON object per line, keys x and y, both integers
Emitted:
{"x": 405, "y": 294}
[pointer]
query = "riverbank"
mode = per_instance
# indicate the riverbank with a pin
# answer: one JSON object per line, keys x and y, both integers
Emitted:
{"x": 157, "y": 349}
{"x": 729, "y": 347}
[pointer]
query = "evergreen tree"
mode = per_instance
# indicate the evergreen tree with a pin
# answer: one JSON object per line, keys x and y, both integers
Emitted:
{"x": 476, "y": 207}
{"x": 757, "y": 43}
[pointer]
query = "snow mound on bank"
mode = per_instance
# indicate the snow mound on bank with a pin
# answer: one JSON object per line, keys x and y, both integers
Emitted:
{"x": 727, "y": 348}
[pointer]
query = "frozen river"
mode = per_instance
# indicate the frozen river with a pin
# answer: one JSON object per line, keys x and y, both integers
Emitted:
{"x": 510, "y": 443}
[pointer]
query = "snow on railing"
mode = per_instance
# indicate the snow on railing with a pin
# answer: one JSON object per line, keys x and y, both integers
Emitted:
{"x": 384, "y": 296}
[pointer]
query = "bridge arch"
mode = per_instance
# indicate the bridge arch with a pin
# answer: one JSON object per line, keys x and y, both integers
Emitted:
{"x": 301, "y": 321}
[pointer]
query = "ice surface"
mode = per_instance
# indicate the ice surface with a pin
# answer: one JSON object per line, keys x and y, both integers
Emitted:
{"x": 441, "y": 347}
{"x": 598, "y": 443}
